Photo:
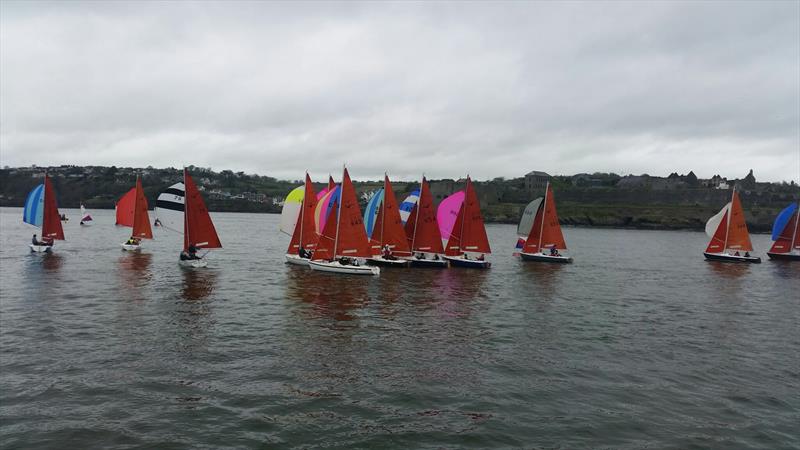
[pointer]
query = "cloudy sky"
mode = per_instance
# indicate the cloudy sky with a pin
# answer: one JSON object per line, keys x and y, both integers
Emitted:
{"x": 491, "y": 89}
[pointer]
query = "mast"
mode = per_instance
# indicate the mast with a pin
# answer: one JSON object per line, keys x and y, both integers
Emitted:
{"x": 728, "y": 223}
{"x": 186, "y": 239}
{"x": 383, "y": 206}
{"x": 338, "y": 217}
{"x": 544, "y": 208}
{"x": 464, "y": 218}
{"x": 416, "y": 218}
{"x": 302, "y": 213}
{"x": 796, "y": 226}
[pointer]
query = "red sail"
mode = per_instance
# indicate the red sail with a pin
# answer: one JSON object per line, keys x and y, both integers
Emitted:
{"x": 331, "y": 184}
{"x": 126, "y": 206}
{"x": 389, "y": 226}
{"x": 717, "y": 243}
{"x": 141, "y": 221}
{"x": 784, "y": 242}
{"x": 738, "y": 237}
{"x": 797, "y": 230}
{"x": 305, "y": 229}
{"x": 51, "y": 219}
{"x": 345, "y": 234}
{"x": 546, "y": 231}
{"x": 422, "y": 228}
{"x": 469, "y": 233}
{"x": 198, "y": 229}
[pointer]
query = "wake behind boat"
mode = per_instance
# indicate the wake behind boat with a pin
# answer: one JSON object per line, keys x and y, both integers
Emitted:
{"x": 540, "y": 233}
{"x": 730, "y": 241}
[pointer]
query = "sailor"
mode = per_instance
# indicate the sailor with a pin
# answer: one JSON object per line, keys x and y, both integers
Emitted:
{"x": 35, "y": 241}
{"x": 157, "y": 223}
{"x": 387, "y": 252}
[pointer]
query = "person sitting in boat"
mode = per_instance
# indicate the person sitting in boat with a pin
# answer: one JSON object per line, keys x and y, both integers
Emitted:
{"x": 481, "y": 258}
{"x": 157, "y": 223}
{"x": 466, "y": 256}
{"x": 304, "y": 253}
{"x": 189, "y": 253}
{"x": 435, "y": 257}
{"x": 736, "y": 254}
{"x": 387, "y": 253}
{"x": 63, "y": 217}
{"x": 746, "y": 254}
{"x": 420, "y": 255}
{"x": 132, "y": 241}
{"x": 35, "y": 241}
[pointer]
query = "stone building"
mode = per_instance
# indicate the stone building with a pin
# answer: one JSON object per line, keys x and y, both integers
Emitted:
{"x": 536, "y": 180}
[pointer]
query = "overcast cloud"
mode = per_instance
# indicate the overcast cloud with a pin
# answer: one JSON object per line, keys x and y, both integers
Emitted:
{"x": 490, "y": 89}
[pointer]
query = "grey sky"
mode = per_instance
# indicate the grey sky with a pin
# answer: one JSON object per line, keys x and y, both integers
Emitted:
{"x": 492, "y": 89}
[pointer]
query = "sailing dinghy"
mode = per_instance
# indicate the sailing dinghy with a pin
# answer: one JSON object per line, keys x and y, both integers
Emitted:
{"x": 543, "y": 237}
{"x": 786, "y": 234}
{"x": 132, "y": 212}
{"x": 422, "y": 230}
{"x": 730, "y": 241}
{"x": 468, "y": 244}
{"x": 41, "y": 211}
{"x": 304, "y": 236}
{"x": 388, "y": 242}
{"x": 343, "y": 243}
{"x": 86, "y": 218}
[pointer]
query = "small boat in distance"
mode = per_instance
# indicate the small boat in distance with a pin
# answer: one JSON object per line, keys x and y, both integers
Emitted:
{"x": 343, "y": 243}
{"x": 468, "y": 236}
{"x": 544, "y": 238}
{"x": 198, "y": 229}
{"x": 132, "y": 212}
{"x": 730, "y": 241}
{"x": 786, "y": 234}
{"x": 41, "y": 210}
{"x": 422, "y": 230}
{"x": 304, "y": 237}
{"x": 86, "y": 218}
{"x": 388, "y": 241}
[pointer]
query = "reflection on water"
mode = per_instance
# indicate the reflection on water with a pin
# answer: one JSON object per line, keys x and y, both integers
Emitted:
{"x": 789, "y": 270}
{"x": 197, "y": 284}
{"x": 133, "y": 270}
{"x": 41, "y": 275}
{"x": 333, "y": 296}
{"x": 545, "y": 278}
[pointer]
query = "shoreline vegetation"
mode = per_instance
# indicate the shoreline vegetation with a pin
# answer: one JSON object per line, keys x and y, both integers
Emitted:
{"x": 676, "y": 202}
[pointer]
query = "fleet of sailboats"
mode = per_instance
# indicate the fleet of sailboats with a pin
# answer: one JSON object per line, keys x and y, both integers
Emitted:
{"x": 329, "y": 234}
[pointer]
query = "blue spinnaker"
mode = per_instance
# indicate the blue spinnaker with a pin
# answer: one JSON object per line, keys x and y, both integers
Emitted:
{"x": 783, "y": 218}
{"x": 371, "y": 211}
{"x": 34, "y": 207}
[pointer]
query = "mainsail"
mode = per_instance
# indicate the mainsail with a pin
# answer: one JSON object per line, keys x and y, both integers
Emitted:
{"x": 388, "y": 225}
{"x": 345, "y": 234}
{"x": 468, "y": 233}
{"x": 422, "y": 228}
{"x": 198, "y": 229}
{"x": 545, "y": 231}
{"x": 305, "y": 233}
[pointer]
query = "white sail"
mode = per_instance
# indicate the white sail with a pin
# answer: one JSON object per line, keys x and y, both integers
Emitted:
{"x": 713, "y": 222}
{"x": 169, "y": 207}
{"x": 528, "y": 216}
{"x": 85, "y": 217}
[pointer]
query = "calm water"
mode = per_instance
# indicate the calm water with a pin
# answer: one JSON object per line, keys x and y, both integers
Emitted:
{"x": 640, "y": 343}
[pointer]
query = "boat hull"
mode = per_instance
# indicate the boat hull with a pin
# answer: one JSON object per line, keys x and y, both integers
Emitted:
{"x": 40, "y": 248}
{"x": 379, "y": 261}
{"x": 724, "y": 257}
{"x": 130, "y": 247}
{"x": 468, "y": 263}
{"x": 784, "y": 256}
{"x": 296, "y": 260}
{"x": 193, "y": 263}
{"x": 541, "y": 257}
{"x": 336, "y": 267}
{"x": 440, "y": 263}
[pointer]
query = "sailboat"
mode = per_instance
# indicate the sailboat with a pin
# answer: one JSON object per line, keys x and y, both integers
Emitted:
{"x": 343, "y": 242}
{"x": 422, "y": 231}
{"x": 304, "y": 236}
{"x": 544, "y": 232}
{"x": 468, "y": 236}
{"x": 86, "y": 218}
{"x": 729, "y": 236}
{"x": 184, "y": 199}
{"x": 786, "y": 234}
{"x": 388, "y": 237}
{"x": 41, "y": 211}
{"x": 132, "y": 212}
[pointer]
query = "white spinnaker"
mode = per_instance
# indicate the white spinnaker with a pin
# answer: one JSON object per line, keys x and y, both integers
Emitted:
{"x": 713, "y": 222}
{"x": 528, "y": 216}
{"x": 291, "y": 209}
{"x": 169, "y": 207}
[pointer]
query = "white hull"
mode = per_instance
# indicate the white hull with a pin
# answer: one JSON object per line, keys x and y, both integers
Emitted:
{"x": 296, "y": 260}
{"x": 545, "y": 257}
{"x": 131, "y": 247}
{"x": 40, "y": 248}
{"x": 195, "y": 263}
{"x": 380, "y": 261}
{"x": 336, "y": 267}
{"x": 457, "y": 261}
{"x": 86, "y": 224}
